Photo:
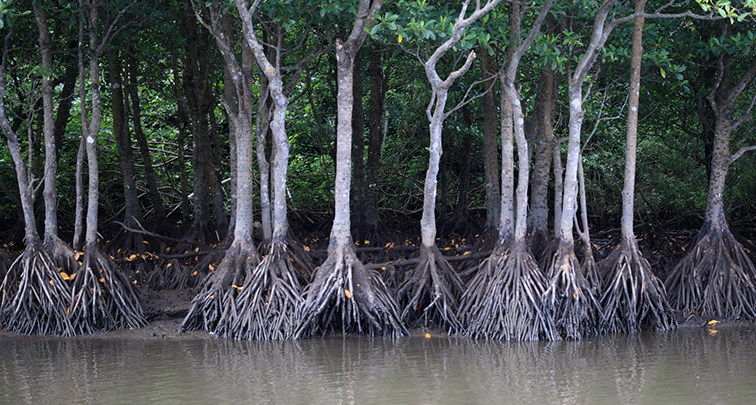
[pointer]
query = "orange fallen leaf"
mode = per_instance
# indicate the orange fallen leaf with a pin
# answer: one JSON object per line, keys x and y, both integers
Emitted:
{"x": 102, "y": 280}
{"x": 77, "y": 255}
{"x": 195, "y": 273}
{"x": 52, "y": 282}
{"x": 348, "y": 294}
{"x": 167, "y": 265}
{"x": 64, "y": 276}
{"x": 71, "y": 277}
{"x": 427, "y": 335}
{"x": 211, "y": 267}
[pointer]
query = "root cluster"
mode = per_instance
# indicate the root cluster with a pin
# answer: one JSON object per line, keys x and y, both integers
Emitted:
{"x": 633, "y": 296}
{"x": 103, "y": 297}
{"x": 267, "y": 305}
{"x": 570, "y": 297}
{"x": 345, "y": 296}
{"x": 431, "y": 293}
{"x": 35, "y": 297}
{"x": 715, "y": 279}
{"x": 504, "y": 299}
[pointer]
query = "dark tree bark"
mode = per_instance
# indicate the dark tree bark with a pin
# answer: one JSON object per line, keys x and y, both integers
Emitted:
{"x": 545, "y": 103}
{"x": 199, "y": 102}
{"x": 182, "y": 118}
{"x": 66, "y": 96}
{"x": 374, "y": 229}
{"x": 490, "y": 149}
{"x": 121, "y": 133}
{"x": 460, "y": 223}
{"x": 716, "y": 278}
{"x": 358, "y": 146}
{"x": 144, "y": 150}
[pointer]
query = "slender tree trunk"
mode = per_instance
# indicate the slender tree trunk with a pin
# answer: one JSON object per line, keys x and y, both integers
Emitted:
{"x": 507, "y": 198}
{"x": 51, "y": 163}
{"x": 198, "y": 94}
{"x": 378, "y": 85}
{"x": 66, "y": 96}
{"x": 136, "y": 110}
{"x": 490, "y": 142}
{"x": 545, "y": 104}
{"x": 132, "y": 211}
{"x": 358, "y": 150}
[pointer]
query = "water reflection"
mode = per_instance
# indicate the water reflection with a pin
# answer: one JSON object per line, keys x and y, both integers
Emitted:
{"x": 669, "y": 368}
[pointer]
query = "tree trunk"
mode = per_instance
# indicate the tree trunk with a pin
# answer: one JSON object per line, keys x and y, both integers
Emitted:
{"x": 132, "y": 210}
{"x": 136, "y": 110}
{"x": 378, "y": 87}
{"x": 51, "y": 151}
{"x": 358, "y": 150}
{"x": 198, "y": 95}
{"x": 545, "y": 141}
{"x": 490, "y": 143}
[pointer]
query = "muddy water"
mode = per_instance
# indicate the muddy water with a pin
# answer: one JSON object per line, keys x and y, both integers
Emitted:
{"x": 683, "y": 367}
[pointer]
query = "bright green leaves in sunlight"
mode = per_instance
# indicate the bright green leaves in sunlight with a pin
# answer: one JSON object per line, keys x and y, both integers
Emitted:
{"x": 726, "y": 9}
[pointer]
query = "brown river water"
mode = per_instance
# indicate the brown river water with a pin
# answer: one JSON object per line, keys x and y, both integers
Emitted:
{"x": 683, "y": 367}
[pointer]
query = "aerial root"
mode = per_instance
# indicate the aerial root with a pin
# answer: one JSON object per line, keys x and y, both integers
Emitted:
{"x": 35, "y": 296}
{"x": 715, "y": 279}
{"x": 633, "y": 295}
{"x": 431, "y": 292}
{"x": 571, "y": 299}
{"x": 504, "y": 299}
{"x": 213, "y": 309}
{"x": 347, "y": 297}
{"x": 267, "y": 305}
{"x": 103, "y": 297}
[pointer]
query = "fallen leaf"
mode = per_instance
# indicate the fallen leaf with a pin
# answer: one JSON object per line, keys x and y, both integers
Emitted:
{"x": 713, "y": 322}
{"x": 77, "y": 255}
{"x": 195, "y": 273}
{"x": 211, "y": 267}
{"x": 64, "y": 276}
{"x": 71, "y": 277}
{"x": 306, "y": 248}
{"x": 167, "y": 265}
{"x": 52, "y": 282}
{"x": 102, "y": 280}
{"x": 212, "y": 296}
{"x": 237, "y": 287}
{"x": 427, "y": 335}
{"x": 348, "y": 294}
